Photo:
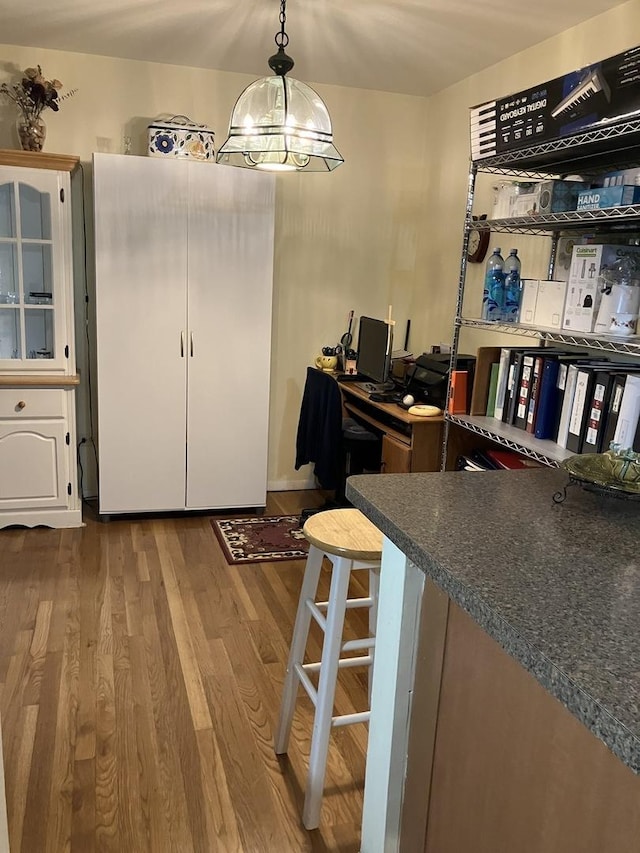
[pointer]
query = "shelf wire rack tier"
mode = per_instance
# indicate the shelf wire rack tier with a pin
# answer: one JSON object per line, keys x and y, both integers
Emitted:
{"x": 624, "y": 346}
{"x": 594, "y": 150}
{"x": 546, "y": 452}
{"x": 541, "y": 224}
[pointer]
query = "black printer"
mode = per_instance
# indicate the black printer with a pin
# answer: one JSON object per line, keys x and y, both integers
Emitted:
{"x": 427, "y": 380}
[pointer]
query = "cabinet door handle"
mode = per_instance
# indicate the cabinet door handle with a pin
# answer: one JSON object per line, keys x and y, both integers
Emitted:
{"x": 181, "y": 344}
{"x": 191, "y": 345}
{"x": 21, "y": 405}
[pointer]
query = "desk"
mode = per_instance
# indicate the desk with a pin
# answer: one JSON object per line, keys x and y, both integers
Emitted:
{"x": 409, "y": 444}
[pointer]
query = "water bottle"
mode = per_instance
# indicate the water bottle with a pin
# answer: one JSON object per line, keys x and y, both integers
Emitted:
{"x": 512, "y": 288}
{"x": 493, "y": 295}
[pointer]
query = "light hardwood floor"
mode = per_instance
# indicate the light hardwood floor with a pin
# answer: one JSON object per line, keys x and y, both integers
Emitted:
{"x": 140, "y": 680}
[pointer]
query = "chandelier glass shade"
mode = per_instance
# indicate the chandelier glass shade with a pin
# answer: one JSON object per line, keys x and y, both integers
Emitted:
{"x": 280, "y": 124}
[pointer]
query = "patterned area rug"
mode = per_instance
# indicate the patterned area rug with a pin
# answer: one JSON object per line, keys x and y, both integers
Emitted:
{"x": 261, "y": 540}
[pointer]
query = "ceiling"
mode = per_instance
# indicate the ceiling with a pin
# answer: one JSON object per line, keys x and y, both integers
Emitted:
{"x": 414, "y": 47}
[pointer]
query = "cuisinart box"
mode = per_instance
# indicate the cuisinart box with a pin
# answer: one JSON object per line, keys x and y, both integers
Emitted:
{"x": 596, "y": 95}
{"x": 583, "y": 297}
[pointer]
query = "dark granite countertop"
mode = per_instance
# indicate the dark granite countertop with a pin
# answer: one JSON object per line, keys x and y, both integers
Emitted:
{"x": 556, "y": 585}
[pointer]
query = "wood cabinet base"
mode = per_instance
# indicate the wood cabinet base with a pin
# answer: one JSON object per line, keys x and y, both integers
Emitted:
{"x": 42, "y": 518}
{"x": 513, "y": 770}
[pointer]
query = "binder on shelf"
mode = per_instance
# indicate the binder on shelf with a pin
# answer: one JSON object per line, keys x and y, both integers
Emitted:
{"x": 510, "y": 460}
{"x": 516, "y": 358}
{"x": 595, "y": 412}
{"x": 567, "y": 404}
{"x": 549, "y": 400}
{"x": 486, "y": 356}
{"x": 467, "y": 463}
{"x": 516, "y": 368}
{"x": 592, "y": 441}
{"x": 481, "y": 457}
{"x": 579, "y": 408}
{"x": 457, "y": 403}
{"x": 501, "y": 385}
{"x": 569, "y": 394}
{"x": 524, "y": 391}
{"x": 532, "y": 408}
{"x": 613, "y": 409}
{"x": 493, "y": 387}
{"x": 629, "y": 413}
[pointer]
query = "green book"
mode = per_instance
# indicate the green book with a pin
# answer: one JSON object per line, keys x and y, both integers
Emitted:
{"x": 493, "y": 384}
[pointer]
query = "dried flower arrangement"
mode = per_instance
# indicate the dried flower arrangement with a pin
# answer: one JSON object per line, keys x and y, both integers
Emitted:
{"x": 32, "y": 95}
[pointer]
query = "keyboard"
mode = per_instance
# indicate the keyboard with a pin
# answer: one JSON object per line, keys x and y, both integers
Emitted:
{"x": 374, "y": 387}
{"x": 579, "y": 100}
{"x": 386, "y": 397}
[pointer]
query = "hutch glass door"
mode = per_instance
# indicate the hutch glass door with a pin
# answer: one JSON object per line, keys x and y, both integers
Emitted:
{"x": 28, "y": 297}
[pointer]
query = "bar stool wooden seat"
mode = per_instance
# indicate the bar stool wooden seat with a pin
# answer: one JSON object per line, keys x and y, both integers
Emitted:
{"x": 350, "y": 541}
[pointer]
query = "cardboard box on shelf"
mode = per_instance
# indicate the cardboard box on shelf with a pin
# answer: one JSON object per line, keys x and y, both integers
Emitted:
{"x": 583, "y": 296}
{"x": 559, "y": 196}
{"x": 528, "y": 301}
{"x": 524, "y": 200}
{"x": 600, "y": 197}
{"x": 550, "y": 304}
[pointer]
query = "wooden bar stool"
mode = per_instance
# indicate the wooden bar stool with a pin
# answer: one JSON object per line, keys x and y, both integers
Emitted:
{"x": 350, "y": 541}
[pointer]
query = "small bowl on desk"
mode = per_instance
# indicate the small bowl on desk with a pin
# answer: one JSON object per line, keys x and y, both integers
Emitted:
{"x": 327, "y": 362}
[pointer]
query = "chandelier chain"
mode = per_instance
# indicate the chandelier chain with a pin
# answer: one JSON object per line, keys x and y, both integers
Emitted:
{"x": 282, "y": 39}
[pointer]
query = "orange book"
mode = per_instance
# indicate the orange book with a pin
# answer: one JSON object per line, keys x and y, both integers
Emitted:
{"x": 457, "y": 404}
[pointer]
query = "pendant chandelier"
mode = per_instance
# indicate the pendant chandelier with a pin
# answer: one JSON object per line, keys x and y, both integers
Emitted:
{"x": 279, "y": 124}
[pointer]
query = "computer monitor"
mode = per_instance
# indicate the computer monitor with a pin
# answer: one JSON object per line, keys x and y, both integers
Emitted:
{"x": 374, "y": 349}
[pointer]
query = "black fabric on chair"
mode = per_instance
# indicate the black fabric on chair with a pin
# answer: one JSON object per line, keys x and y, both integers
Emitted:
{"x": 319, "y": 438}
{"x": 337, "y": 447}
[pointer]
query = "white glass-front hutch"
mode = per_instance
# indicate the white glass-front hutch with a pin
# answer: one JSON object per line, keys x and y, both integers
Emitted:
{"x": 38, "y": 482}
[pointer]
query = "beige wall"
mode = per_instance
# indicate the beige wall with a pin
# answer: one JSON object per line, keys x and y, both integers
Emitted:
{"x": 385, "y": 228}
{"x": 345, "y": 240}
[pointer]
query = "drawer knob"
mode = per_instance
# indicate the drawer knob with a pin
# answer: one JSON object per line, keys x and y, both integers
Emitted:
{"x": 21, "y": 405}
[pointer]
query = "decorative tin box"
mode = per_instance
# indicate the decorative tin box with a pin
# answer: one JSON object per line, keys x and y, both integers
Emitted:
{"x": 180, "y": 137}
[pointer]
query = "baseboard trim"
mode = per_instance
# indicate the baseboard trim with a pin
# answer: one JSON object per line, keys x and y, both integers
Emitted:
{"x": 291, "y": 485}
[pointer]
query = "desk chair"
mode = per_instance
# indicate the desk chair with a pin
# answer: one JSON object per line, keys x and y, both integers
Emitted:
{"x": 351, "y": 542}
{"x": 335, "y": 445}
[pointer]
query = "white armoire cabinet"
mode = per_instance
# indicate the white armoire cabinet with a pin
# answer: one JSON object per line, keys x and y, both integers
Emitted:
{"x": 184, "y": 264}
{"x": 38, "y": 480}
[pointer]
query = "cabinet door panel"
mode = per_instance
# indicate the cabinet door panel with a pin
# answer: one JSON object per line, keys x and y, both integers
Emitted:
{"x": 230, "y": 283}
{"x": 33, "y": 465}
{"x": 396, "y": 457}
{"x": 141, "y": 264}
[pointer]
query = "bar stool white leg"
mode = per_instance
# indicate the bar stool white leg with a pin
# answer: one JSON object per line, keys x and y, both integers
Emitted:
{"x": 326, "y": 691}
{"x": 298, "y": 644}
{"x": 374, "y": 586}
